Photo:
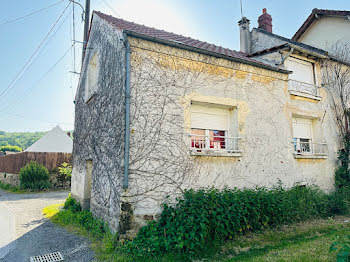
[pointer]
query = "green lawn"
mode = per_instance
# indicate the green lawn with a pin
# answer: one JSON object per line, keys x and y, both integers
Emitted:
{"x": 307, "y": 241}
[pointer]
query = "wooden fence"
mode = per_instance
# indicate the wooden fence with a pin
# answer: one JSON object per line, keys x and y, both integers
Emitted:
{"x": 14, "y": 162}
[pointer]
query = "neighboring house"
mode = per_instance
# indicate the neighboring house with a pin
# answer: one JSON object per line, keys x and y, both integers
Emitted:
{"x": 157, "y": 113}
{"x": 55, "y": 140}
{"x": 324, "y": 28}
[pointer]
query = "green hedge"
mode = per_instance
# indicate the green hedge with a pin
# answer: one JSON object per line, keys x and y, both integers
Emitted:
{"x": 200, "y": 217}
{"x": 34, "y": 176}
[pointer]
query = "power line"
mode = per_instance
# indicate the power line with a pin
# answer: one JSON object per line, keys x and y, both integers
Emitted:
{"x": 41, "y": 78}
{"x": 25, "y": 68}
{"x": 27, "y": 15}
{"x": 46, "y": 44}
{"x": 111, "y": 8}
{"x": 41, "y": 120}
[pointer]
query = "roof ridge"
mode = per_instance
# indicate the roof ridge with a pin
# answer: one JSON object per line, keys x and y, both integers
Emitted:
{"x": 185, "y": 41}
{"x": 311, "y": 18}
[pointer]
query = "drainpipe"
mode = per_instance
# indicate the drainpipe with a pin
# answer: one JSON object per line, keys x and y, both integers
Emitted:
{"x": 285, "y": 57}
{"x": 127, "y": 112}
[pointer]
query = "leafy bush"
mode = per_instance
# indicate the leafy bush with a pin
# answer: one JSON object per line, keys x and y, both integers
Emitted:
{"x": 64, "y": 173}
{"x": 203, "y": 216}
{"x": 34, "y": 176}
{"x": 10, "y": 148}
{"x": 73, "y": 214}
{"x": 342, "y": 246}
{"x": 71, "y": 204}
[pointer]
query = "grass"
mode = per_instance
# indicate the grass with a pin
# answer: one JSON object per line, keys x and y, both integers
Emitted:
{"x": 15, "y": 189}
{"x": 12, "y": 189}
{"x": 51, "y": 210}
{"x": 307, "y": 241}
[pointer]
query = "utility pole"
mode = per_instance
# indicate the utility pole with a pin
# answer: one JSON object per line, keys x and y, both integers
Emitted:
{"x": 86, "y": 27}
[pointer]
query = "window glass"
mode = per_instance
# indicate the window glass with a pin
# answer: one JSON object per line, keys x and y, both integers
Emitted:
{"x": 198, "y": 138}
{"x": 217, "y": 139}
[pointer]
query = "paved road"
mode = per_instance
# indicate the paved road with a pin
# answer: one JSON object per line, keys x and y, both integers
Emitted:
{"x": 24, "y": 232}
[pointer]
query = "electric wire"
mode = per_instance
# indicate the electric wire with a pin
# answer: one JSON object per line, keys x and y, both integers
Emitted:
{"x": 46, "y": 44}
{"x": 111, "y": 8}
{"x": 41, "y": 78}
{"x": 26, "y": 67}
{"x": 33, "y": 13}
{"x": 41, "y": 120}
{"x": 35, "y": 85}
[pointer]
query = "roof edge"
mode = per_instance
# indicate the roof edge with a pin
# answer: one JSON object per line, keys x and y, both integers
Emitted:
{"x": 313, "y": 16}
{"x": 205, "y": 52}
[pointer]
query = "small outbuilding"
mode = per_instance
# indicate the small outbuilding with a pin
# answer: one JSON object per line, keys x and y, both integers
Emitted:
{"x": 56, "y": 140}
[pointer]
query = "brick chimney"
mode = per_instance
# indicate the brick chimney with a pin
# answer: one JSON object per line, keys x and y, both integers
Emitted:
{"x": 265, "y": 21}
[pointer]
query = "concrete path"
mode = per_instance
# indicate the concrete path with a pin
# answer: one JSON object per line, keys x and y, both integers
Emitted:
{"x": 24, "y": 232}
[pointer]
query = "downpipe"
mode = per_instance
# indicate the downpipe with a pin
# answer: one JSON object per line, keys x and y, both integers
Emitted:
{"x": 127, "y": 112}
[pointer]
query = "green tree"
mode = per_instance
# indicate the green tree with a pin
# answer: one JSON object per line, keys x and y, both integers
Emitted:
{"x": 10, "y": 148}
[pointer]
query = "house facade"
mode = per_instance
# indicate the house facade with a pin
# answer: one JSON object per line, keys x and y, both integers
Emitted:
{"x": 158, "y": 113}
{"x": 324, "y": 29}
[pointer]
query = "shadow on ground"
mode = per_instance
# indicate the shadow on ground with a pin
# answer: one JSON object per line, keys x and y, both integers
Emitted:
{"x": 44, "y": 239}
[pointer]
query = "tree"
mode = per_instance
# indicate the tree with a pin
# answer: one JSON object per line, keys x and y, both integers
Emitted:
{"x": 10, "y": 148}
{"x": 336, "y": 80}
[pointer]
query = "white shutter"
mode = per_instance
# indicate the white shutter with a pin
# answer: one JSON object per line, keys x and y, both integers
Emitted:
{"x": 302, "y": 128}
{"x": 203, "y": 117}
{"x": 302, "y": 71}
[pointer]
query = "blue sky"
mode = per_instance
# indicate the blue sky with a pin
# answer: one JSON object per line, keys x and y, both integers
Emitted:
{"x": 29, "y": 105}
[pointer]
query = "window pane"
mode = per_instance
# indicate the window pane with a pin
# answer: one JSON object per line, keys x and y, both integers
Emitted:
{"x": 217, "y": 139}
{"x": 305, "y": 145}
{"x": 198, "y": 138}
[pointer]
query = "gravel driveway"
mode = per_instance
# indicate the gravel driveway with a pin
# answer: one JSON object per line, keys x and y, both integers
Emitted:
{"x": 24, "y": 232}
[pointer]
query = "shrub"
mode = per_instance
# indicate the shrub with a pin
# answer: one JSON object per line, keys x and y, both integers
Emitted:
{"x": 73, "y": 213}
{"x": 64, "y": 173}
{"x": 203, "y": 216}
{"x": 10, "y": 148}
{"x": 34, "y": 176}
{"x": 72, "y": 204}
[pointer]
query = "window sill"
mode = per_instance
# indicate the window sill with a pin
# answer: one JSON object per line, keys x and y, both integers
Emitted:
{"x": 221, "y": 153}
{"x": 296, "y": 93}
{"x": 90, "y": 98}
{"x": 296, "y": 156}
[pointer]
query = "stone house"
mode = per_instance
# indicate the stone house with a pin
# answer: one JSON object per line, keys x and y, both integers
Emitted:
{"x": 157, "y": 113}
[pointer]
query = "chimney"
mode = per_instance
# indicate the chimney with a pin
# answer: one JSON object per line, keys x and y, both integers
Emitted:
{"x": 265, "y": 21}
{"x": 244, "y": 34}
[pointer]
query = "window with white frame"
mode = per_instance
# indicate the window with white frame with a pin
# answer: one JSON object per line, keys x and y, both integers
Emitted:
{"x": 302, "y": 135}
{"x": 92, "y": 77}
{"x": 211, "y": 129}
{"x": 303, "y": 77}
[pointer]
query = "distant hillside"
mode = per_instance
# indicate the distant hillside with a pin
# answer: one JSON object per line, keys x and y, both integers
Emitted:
{"x": 21, "y": 139}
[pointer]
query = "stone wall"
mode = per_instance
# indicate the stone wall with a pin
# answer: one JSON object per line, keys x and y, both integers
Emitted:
{"x": 8, "y": 178}
{"x": 98, "y": 146}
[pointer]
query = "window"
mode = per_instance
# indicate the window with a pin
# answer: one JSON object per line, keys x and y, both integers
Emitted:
{"x": 302, "y": 135}
{"x": 303, "y": 139}
{"x": 211, "y": 128}
{"x": 303, "y": 71}
{"x": 92, "y": 78}
{"x": 303, "y": 78}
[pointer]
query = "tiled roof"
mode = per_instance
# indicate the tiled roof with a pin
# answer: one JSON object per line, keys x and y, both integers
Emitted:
{"x": 313, "y": 16}
{"x": 287, "y": 40}
{"x": 179, "y": 39}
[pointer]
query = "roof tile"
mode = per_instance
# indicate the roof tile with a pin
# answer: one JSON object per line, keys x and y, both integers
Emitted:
{"x": 163, "y": 35}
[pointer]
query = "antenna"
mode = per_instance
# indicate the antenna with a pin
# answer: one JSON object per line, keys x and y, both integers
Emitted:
{"x": 241, "y": 9}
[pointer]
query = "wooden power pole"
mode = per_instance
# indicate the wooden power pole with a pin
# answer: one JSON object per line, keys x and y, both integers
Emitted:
{"x": 86, "y": 26}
